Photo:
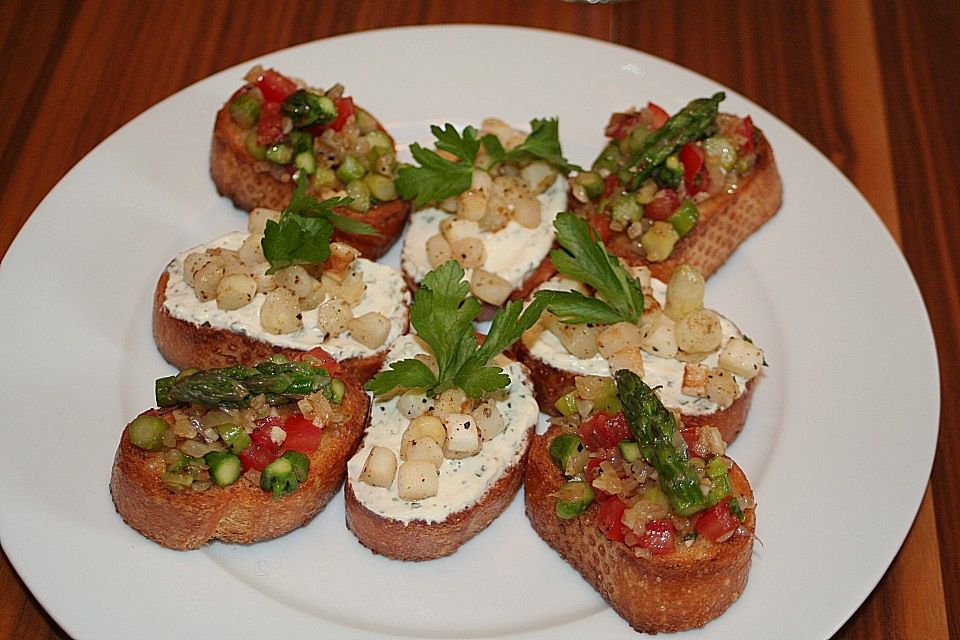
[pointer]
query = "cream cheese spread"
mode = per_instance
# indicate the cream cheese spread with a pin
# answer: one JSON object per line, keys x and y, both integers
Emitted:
{"x": 463, "y": 482}
{"x": 665, "y": 373}
{"x": 386, "y": 292}
{"x": 512, "y": 252}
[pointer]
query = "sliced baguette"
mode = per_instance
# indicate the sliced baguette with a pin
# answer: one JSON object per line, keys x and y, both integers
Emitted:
{"x": 251, "y": 183}
{"x": 404, "y": 532}
{"x": 241, "y": 512}
{"x": 682, "y": 590}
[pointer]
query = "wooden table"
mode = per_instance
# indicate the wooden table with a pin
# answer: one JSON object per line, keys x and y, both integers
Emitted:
{"x": 873, "y": 84}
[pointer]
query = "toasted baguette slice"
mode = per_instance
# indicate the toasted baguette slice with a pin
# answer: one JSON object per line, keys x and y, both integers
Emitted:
{"x": 682, "y": 590}
{"x": 252, "y": 183}
{"x": 726, "y": 220}
{"x": 216, "y": 338}
{"x": 436, "y": 527}
{"x": 241, "y": 512}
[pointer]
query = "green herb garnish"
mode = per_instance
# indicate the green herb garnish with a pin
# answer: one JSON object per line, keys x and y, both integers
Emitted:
{"x": 584, "y": 258}
{"x": 438, "y": 178}
{"x": 302, "y": 236}
{"x": 443, "y": 313}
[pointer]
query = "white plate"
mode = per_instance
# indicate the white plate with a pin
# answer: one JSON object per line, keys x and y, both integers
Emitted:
{"x": 838, "y": 446}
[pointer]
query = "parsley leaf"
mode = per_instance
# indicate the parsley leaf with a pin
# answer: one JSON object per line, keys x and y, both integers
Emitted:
{"x": 543, "y": 143}
{"x": 583, "y": 258}
{"x": 305, "y": 205}
{"x": 464, "y": 147}
{"x": 443, "y": 313}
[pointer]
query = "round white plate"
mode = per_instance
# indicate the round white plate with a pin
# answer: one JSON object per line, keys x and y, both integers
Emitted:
{"x": 838, "y": 445}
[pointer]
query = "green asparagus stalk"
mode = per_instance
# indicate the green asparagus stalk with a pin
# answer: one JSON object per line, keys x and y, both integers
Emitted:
{"x": 691, "y": 123}
{"x": 653, "y": 426}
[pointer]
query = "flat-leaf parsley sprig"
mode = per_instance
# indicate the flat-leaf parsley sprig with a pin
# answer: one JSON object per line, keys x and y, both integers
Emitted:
{"x": 583, "y": 257}
{"x": 443, "y": 313}
{"x": 302, "y": 236}
{"x": 438, "y": 178}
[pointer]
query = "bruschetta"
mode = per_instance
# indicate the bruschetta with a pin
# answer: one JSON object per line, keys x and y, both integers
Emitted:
{"x": 227, "y": 302}
{"x": 492, "y": 198}
{"x": 239, "y": 454}
{"x": 276, "y": 129}
{"x": 687, "y": 189}
{"x": 451, "y": 421}
{"x": 661, "y": 526}
{"x": 603, "y": 316}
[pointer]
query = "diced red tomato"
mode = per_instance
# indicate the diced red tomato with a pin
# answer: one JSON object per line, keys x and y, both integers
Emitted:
{"x": 659, "y": 537}
{"x": 717, "y": 522}
{"x": 345, "y": 109}
{"x": 255, "y": 457}
{"x": 270, "y": 125}
{"x": 692, "y": 437}
{"x": 610, "y": 518}
{"x": 302, "y": 434}
{"x": 658, "y": 115}
{"x": 603, "y": 431}
{"x": 695, "y": 175}
{"x": 275, "y": 86}
{"x": 621, "y": 124}
{"x": 323, "y": 359}
{"x": 261, "y": 435}
{"x": 611, "y": 185}
{"x": 601, "y": 223}
{"x": 664, "y": 203}
{"x": 746, "y": 130}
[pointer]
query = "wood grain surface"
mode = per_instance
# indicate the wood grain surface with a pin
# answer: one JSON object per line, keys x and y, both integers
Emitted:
{"x": 873, "y": 84}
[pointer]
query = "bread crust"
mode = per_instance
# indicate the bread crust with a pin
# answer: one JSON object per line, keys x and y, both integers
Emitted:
{"x": 185, "y": 344}
{"x": 726, "y": 220}
{"x": 234, "y": 172}
{"x": 550, "y": 383}
{"x": 420, "y": 540}
{"x": 240, "y": 512}
{"x": 682, "y": 590}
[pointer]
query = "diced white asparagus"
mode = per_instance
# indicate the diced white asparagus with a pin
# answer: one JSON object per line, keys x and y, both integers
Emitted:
{"x": 257, "y": 220}
{"x": 371, "y": 329}
{"x": 192, "y": 263}
{"x": 658, "y": 336}
{"x": 472, "y": 204}
{"x": 526, "y": 211}
{"x": 642, "y": 274}
{"x": 351, "y": 288}
{"x": 721, "y": 387}
{"x": 333, "y": 317}
{"x": 627, "y": 358}
{"x": 424, "y": 448}
{"x": 232, "y": 265}
{"x": 236, "y": 291}
{"x": 438, "y": 250}
{"x": 507, "y": 135}
{"x": 741, "y": 357}
{"x": 453, "y": 400}
{"x": 413, "y": 403}
{"x": 380, "y": 468}
{"x": 490, "y": 287}
{"x": 341, "y": 257}
{"x": 280, "y": 312}
{"x": 424, "y": 426}
{"x": 616, "y": 337}
{"x": 699, "y": 331}
{"x": 251, "y": 251}
{"x": 296, "y": 279}
{"x": 495, "y": 219}
{"x": 694, "y": 380}
{"x": 453, "y": 229}
{"x": 265, "y": 283}
{"x": 692, "y": 356}
{"x": 417, "y": 480}
{"x": 579, "y": 339}
{"x": 539, "y": 175}
{"x": 469, "y": 252}
{"x": 684, "y": 292}
{"x": 313, "y": 299}
{"x": 488, "y": 418}
{"x": 206, "y": 280}
{"x": 463, "y": 436}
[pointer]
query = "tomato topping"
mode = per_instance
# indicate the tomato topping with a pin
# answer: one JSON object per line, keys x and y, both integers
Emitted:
{"x": 323, "y": 359}
{"x": 718, "y": 522}
{"x": 610, "y": 518}
{"x": 621, "y": 124}
{"x": 255, "y": 457}
{"x": 659, "y": 537}
{"x": 275, "y": 87}
{"x": 611, "y": 185}
{"x": 695, "y": 448}
{"x": 345, "y": 109}
{"x": 658, "y": 115}
{"x": 261, "y": 435}
{"x": 270, "y": 125}
{"x": 746, "y": 130}
{"x": 302, "y": 434}
{"x": 695, "y": 175}
{"x": 601, "y": 224}
{"x": 664, "y": 203}
{"x": 603, "y": 431}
